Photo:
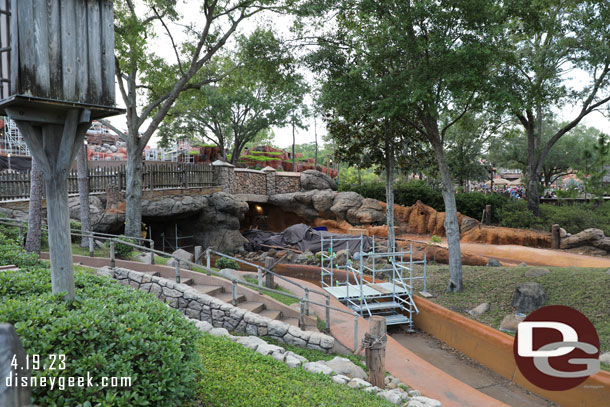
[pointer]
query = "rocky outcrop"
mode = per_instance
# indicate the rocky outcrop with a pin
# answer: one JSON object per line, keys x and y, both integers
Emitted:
{"x": 588, "y": 237}
{"x": 312, "y": 179}
{"x": 528, "y": 297}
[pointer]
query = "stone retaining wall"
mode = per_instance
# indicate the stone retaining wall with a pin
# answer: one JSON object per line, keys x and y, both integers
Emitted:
{"x": 250, "y": 182}
{"x": 287, "y": 182}
{"x": 202, "y": 307}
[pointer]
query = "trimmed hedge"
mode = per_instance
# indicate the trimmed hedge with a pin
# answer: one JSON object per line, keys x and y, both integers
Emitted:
{"x": 224, "y": 263}
{"x": 108, "y": 330}
{"x": 408, "y": 193}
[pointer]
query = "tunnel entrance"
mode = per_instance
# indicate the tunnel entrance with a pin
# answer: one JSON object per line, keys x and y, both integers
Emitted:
{"x": 265, "y": 216}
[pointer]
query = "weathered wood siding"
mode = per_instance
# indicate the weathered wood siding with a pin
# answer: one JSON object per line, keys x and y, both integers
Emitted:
{"x": 63, "y": 50}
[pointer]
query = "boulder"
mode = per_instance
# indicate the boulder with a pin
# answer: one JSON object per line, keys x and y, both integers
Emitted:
{"x": 421, "y": 401}
{"x": 312, "y": 179}
{"x": 144, "y": 258}
{"x": 510, "y": 322}
{"x": 358, "y": 383}
{"x": 345, "y": 201}
{"x": 493, "y": 262}
{"x": 479, "y": 309}
{"x": 230, "y": 274}
{"x": 528, "y": 297}
{"x": 182, "y": 255}
{"x": 344, "y": 366}
{"x": 394, "y": 396}
{"x": 340, "y": 379}
{"x": 537, "y": 272}
{"x": 323, "y": 200}
{"x": 467, "y": 224}
{"x": 317, "y": 367}
{"x": 370, "y": 211}
{"x": 605, "y": 358}
{"x": 562, "y": 233}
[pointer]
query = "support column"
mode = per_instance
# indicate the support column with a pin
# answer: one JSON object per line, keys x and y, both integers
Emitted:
{"x": 224, "y": 176}
{"x": 270, "y": 179}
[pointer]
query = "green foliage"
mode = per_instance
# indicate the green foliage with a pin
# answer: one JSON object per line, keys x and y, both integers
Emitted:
{"x": 408, "y": 193}
{"x": 12, "y": 253}
{"x": 436, "y": 239}
{"x": 224, "y": 263}
{"x": 75, "y": 226}
{"x": 108, "y": 330}
{"x": 123, "y": 251}
{"x": 573, "y": 218}
{"x": 276, "y": 296}
{"x": 234, "y": 376}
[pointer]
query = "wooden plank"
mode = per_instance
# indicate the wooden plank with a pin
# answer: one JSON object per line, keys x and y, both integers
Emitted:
{"x": 41, "y": 86}
{"x": 54, "y": 26}
{"x": 15, "y": 36}
{"x": 107, "y": 36}
{"x": 95, "y": 52}
{"x": 82, "y": 55}
{"x": 69, "y": 49}
{"x": 26, "y": 60}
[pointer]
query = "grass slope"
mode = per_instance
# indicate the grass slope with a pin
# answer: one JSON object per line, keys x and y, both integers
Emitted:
{"x": 584, "y": 289}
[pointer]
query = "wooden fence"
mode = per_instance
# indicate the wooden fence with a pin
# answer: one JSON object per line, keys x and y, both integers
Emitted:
{"x": 160, "y": 176}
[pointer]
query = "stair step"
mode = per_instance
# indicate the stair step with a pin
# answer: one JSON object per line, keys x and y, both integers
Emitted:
{"x": 396, "y": 319}
{"x": 188, "y": 281}
{"x": 271, "y": 314}
{"x": 211, "y": 290}
{"x": 228, "y": 298}
{"x": 291, "y": 321}
{"x": 375, "y": 306}
{"x": 252, "y": 306}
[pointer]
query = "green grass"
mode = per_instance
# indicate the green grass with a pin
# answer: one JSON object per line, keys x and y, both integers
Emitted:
{"x": 585, "y": 289}
{"x": 234, "y": 376}
{"x": 315, "y": 355}
{"x": 279, "y": 297}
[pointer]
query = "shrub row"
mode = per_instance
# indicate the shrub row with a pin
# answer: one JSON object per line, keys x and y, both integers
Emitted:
{"x": 408, "y": 193}
{"x": 108, "y": 330}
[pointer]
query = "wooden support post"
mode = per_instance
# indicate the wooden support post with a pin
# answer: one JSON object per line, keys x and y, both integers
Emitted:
{"x": 198, "y": 254}
{"x": 269, "y": 280}
{"x": 374, "y": 343}
{"x": 11, "y": 393}
{"x": 488, "y": 214}
{"x": 555, "y": 237}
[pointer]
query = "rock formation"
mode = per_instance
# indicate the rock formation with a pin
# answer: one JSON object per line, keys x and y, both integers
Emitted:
{"x": 312, "y": 179}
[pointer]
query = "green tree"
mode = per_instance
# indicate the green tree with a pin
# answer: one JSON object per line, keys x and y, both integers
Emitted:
{"x": 549, "y": 40}
{"x": 260, "y": 89}
{"x": 149, "y": 84}
{"x": 424, "y": 65}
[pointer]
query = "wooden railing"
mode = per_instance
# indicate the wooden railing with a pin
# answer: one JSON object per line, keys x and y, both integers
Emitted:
{"x": 163, "y": 176}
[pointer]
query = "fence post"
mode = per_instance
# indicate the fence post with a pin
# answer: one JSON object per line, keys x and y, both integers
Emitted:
{"x": 259, "y": 273}
{"x": 91, "y": 246}
{"x": 269, "y": 278}
{"x": 234, "y": 291}
{"x": 112, "y": 262}
{"x": 356, "y": 332}
{"x": 178, "y": 271}
{"x": 374, "y": 343}
{"x": 198, "y": 254}
{"x": 301, "y": 314}
{"x": 555, "y": 237}
{"x": 152, "y": 255}
{"x": 306, "y": 301}
{"x": 208, "y": 261}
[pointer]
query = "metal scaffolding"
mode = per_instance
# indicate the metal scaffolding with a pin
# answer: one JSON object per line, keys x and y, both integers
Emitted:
{"x": 381, "y": 283}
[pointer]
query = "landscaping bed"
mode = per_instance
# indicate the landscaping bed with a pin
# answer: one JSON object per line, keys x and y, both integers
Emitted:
{"x": 585, "y": 289}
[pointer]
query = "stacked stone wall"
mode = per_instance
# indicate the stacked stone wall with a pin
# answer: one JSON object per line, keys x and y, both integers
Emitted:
{"x": 250, "y": 182}
{"x": 287, "y": 182}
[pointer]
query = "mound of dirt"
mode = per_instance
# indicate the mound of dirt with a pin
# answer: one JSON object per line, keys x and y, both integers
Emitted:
{"x": 504, "y": 236}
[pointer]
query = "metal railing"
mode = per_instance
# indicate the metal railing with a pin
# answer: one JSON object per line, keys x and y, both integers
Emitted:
{"x": 304, "y": 302}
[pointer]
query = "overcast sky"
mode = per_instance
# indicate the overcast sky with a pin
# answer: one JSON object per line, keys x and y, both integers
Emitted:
{"x": 283, "y": 136}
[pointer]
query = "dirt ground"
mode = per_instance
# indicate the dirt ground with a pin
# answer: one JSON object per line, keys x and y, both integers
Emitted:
{"x": 467, "y": 370}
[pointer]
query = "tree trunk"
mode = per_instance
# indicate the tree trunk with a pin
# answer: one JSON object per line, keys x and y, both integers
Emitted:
{"x": 452, "y": 227}
{"x": 83, "y": 193}
{"x": 293, "y": 143}
{"x": 389, "y": 193}
{"x": 32, "y": 242}
{"x": 315, "y": 133}
{"x": 133, "y": 193}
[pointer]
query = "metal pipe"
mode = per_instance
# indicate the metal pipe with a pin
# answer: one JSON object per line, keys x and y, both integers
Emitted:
{"x": 259, "y": 273}
{"x": 208, "y": 261}
{"x": 301, "y": 314}
{"x": 91, "y": 247}
{"x": 356, "y": 332}
{"x": 152, "y": 247}
{"x": 234, "y": 291}
{"x": 306, "y": 301}
{"x": 177, "y": 270}
{"x": 328, "y": 313}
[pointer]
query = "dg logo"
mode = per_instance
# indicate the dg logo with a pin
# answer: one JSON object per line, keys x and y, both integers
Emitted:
{"x": 556, "y": 348}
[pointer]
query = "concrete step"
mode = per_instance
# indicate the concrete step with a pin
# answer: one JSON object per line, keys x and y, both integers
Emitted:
{"x": 228, "y": 298}
{"x": 271, "y": 314}
{"x": 211, "y": 290}
{"x": 153, "y": 273}
{"x": 188, "y": 281}
{"x": 252, "y": 306}
{"x": 291, "y": 321}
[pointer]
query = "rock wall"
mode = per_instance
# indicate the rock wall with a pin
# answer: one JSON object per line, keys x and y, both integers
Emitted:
{"x": 202, "y": 307}
{"x": 250, "y": 182}
{"x": 287, "y": 182}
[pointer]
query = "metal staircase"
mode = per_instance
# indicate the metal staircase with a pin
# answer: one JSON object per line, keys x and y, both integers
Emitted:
{"x": 381, "y": 283}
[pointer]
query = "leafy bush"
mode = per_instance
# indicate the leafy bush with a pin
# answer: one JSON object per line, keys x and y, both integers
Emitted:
{"x": 109, "y": 330}
{"x": 573, "y": 218}
{"x": 436, "y": 239}
{"x": 123, "y": 251}
{"x": 12, "y": 253}
{"x": 473, "y": 203}
{"x": 75, "y": 226}
{"x": 224, "y": 263}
